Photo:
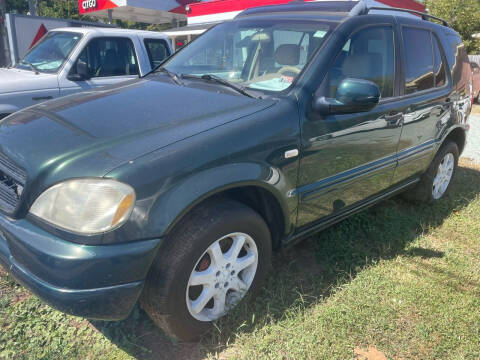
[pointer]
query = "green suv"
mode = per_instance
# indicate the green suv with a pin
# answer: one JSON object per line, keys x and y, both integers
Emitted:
{"x": 173, "y": 189}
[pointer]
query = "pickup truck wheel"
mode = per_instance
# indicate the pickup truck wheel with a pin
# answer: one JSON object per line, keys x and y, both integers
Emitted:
{"x": 210, "y": 261}
{"x": 436, "y": 182}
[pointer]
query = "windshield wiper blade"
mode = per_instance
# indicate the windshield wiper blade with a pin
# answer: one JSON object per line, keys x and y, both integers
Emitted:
{"x": 33, "y": 67}
{"x": 209, "y": 77}
{"x": 171, "y": 74}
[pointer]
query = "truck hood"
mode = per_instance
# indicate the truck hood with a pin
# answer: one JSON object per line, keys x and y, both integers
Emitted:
{"x": 91, "y": 133}
{"x": 16, "y": 80}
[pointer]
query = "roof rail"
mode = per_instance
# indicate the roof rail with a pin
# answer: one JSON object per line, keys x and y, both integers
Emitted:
{"x": 363, "y": 9}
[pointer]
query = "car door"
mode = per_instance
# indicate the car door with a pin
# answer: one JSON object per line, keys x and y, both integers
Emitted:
{"x": 426, "y": 101}
{"x": 348, "y": 158}
{"x": 110, "y": 60}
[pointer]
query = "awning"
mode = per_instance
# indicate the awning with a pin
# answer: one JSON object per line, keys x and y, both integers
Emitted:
{"x": 188, "y": 30}
{"x": 145, "y": 11}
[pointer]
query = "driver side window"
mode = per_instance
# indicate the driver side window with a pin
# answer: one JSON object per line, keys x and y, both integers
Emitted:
{"x": 367, "y": 55}
{"x": 106, "y": 57}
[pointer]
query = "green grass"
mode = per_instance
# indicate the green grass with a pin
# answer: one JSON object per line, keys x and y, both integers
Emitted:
{"x": 402, "y": 278}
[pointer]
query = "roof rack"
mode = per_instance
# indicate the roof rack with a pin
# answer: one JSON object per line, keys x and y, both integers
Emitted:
{"x": 363, "y": 9}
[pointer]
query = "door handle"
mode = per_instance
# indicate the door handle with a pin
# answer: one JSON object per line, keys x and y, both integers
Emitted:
{"x": 394, "y": 120}
{"x": 40, "y": 98}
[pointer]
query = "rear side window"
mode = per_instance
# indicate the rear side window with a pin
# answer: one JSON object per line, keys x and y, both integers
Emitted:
{"x": 439, "y": 63}
{"x": 106, "y": 57}
{"x": 419, "y": 74}
{"x": 157, "y": 50}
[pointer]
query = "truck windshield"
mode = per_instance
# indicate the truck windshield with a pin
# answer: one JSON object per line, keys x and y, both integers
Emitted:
{"x": 262, "y": 55}
{"x": 50, "y": 53}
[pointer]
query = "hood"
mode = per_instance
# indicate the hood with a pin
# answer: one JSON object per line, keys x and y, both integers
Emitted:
{"x": 16, "y": 80}
{"x": 91, "y": 133}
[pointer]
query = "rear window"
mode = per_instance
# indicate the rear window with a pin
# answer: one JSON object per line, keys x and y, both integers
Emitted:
{"x": 157, "y": 50}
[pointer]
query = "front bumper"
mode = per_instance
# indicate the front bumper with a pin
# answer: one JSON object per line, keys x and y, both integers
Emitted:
{"x": 96, "y": 282}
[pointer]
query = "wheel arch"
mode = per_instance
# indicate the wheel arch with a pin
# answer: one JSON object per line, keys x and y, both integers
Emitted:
{"x": 263, "y": 188}
{"x": 254, "y": 195}
{"x": 457, "y": 135}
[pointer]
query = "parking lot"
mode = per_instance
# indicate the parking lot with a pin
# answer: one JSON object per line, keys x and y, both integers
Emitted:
{"x": 472, "y": 150}
{"x": 300, "y": 182}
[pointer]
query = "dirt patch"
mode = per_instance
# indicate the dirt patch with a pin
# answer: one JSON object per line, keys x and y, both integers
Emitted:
{"x": 476, "y": 109}
{"x": 371, "y": 354}
{"x": 469, "y": 163}
{"x": 20, "y": 297}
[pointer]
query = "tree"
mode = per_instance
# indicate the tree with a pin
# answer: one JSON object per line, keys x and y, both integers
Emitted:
{"x": 17, "y": 6}
{"x": 463, "y": 16}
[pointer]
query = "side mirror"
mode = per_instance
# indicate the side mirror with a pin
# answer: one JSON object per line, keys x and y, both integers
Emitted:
{"x": 353, "y": 95}
{"x": 81, "y": 72}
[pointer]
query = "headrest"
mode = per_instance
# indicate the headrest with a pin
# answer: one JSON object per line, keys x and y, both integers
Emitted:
{"x": 362, "y": 66}
{"x": 261, "y": 37}
{"x": 288, "y": 54}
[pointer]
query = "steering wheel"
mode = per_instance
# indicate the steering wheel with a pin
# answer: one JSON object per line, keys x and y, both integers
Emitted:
{"x": 292, "y": 69}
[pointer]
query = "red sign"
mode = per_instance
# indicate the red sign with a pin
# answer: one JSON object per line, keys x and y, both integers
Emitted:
{"x": 42, "y": 30}
{"x": 86, "y": 6}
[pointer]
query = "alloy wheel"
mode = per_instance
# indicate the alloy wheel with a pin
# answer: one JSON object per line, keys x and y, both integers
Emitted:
{"x": 444, "y": 176}
{"x": 222, "y": 276}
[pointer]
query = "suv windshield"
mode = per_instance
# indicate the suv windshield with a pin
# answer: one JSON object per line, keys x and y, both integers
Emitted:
{"x": 50, "y": 53}
{"x": 263, "y": 55}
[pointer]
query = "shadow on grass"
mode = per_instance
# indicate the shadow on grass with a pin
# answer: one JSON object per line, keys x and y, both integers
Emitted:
{"x": 307, "y": 273}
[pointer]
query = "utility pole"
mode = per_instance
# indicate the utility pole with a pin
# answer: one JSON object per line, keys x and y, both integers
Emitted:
{"x": 32, "y": 8}
{"x": 3, "y": 34}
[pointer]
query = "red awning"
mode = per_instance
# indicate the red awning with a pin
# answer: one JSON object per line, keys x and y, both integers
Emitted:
{"x": 218, "y": 10}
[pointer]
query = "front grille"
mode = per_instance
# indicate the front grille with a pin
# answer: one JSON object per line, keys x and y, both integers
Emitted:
{"x": 12, "y": 182}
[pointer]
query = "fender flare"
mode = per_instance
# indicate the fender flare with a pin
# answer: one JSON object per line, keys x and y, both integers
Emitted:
{"x": 449, "y": 132}
{"x": 173, "y": 205}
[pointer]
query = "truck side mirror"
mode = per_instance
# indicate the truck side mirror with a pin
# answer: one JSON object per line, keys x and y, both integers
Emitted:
{"x": 81, "y": 73}
{"x": 353, "y": 95}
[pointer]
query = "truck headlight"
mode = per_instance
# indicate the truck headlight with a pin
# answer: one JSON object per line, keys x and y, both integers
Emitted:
{"x": 86, "y": 206}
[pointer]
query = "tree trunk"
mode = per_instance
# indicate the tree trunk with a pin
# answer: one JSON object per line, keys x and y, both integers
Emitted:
{"x": 32, "y": 7}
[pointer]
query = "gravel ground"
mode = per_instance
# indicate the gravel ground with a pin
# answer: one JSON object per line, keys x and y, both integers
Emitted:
{"x": 472, "y": 150}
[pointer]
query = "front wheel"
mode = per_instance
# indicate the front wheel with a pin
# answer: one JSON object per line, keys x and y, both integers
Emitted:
{"x": 211, "y": 260}
{"x": 436, "y": 182}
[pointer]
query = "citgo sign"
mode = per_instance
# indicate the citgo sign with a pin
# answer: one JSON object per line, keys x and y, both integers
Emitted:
{"x": 86, "y": 6}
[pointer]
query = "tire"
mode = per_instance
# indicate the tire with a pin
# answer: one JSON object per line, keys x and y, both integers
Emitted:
{"x": 427, "y": 190}
{"x": 165, "y": 297}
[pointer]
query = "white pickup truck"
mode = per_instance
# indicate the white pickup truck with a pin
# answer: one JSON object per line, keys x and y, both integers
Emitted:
{"x": 69, "y": 60}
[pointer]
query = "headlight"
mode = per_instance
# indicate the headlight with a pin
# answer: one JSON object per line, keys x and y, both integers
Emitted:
{"x": 87, "y": 206}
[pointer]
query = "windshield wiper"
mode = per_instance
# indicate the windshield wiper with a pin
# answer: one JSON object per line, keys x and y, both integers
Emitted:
{"x": 33, "y": 67}
{"x": 171, "y": 74}
{"x": 209, "y": 77}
